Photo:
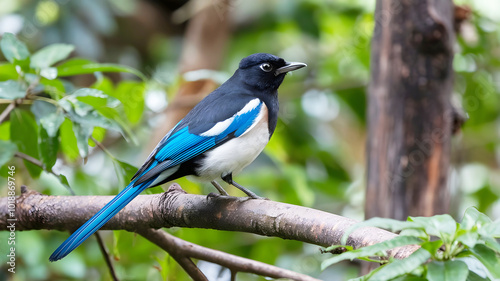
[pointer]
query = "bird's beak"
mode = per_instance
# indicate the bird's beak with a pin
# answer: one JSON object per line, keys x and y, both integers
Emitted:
{"x": 290, "y": 66}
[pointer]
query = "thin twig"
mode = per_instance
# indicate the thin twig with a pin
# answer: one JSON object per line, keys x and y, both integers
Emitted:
{"x": 102, "y": 147}
{"x": 179, "y": 248}
{"x": 39, "y": 163}
{"x": 7, "y": 111}
{"x": 105, "y": 254}
{"x": 32, "y": 160}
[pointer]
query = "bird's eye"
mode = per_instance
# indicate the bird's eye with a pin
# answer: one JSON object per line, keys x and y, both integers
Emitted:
{"x": 266, "y": 67}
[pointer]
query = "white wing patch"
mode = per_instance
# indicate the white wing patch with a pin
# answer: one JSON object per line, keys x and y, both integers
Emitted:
{"x": 218, "y": 128}
{"x": 249, "y": 106}
{"x": 223, "y": 125}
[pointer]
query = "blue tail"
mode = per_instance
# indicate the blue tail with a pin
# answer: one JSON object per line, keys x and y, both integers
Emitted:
{"x": 98, "y": 220}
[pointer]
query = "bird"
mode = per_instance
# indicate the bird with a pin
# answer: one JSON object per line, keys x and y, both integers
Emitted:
{"x": 220, "y": 136}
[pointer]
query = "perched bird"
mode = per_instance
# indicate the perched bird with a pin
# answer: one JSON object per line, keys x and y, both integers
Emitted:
{"x": 220, "y": 136}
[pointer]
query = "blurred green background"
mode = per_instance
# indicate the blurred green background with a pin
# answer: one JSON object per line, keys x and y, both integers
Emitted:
{"x": 316, "y": 157}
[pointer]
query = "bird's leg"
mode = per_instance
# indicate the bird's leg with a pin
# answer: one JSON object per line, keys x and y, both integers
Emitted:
{"x": 229, "y": 179}
{"x": 219, "y": 188}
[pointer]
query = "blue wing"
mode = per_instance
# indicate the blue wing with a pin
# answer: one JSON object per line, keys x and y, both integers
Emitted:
{"x": 188, "y": 139}
{"x": 197, "y": 133}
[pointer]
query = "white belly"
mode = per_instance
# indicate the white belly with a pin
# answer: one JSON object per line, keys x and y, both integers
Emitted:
{"x": 236, "y": 154}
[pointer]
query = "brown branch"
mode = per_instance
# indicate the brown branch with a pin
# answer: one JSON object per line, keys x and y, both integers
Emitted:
{"x": 7, "y": 111}
{"x": 176, "y": 208}
{"x": 30, "y": 159}
{"x": 236, "y": 264}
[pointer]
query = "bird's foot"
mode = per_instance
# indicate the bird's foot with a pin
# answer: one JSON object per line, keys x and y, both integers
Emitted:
{"x": 229, "y": 179}
{"x": 219, "y": 188}
{"x": 213, "y": 195}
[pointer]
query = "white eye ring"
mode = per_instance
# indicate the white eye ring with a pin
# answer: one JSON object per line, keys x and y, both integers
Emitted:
{"x": 267, "y": 67}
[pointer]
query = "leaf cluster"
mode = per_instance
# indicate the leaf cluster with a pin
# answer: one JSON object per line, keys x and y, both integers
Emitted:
{"x": 448, "y": 250}
{"x": 48, "y": 116}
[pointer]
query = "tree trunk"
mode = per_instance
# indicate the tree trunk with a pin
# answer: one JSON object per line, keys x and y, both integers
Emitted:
{"x": 409, "y": 110}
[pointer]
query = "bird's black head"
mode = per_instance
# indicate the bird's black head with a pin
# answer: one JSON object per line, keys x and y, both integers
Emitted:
{"x": 265, "y": 71}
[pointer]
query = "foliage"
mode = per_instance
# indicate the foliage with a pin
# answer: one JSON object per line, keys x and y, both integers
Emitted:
{"x": 315, "y": 158}
{"x": 51, "y": 102}
{"x": 448, "y": 250}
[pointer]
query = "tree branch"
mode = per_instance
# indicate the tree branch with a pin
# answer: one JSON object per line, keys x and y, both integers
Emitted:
{"x": 236, "y": 264}
{"x": 7, "y": 111}
{"x": 176, "y": 208}
{"x": 39, "y": 163}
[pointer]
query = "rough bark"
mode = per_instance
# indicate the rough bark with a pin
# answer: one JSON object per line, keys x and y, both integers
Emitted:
{"x": 409, "y": 110}
{"x": 176, "y": 208}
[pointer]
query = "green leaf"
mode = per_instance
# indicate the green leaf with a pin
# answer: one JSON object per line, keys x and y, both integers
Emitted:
{"x": 48, "y": 116}
{"x": 80, "y": 112}
{"x": 98, "y": 134}
{"x": 79, "y": 67}
{"x": 42, "y": 109}
{"x": 443, "y": 226}
{"x": 11, "y": 90}
{"x": 492, "y": 243}
{"x": 403, "y": 266}
{"x": 376, "y": 249}
{"x": 49, "y": 55}
{"x": 5, "y": 131}
{"x": 13, "y": 49}
{"x": 74, "y": 62}
{"x": 432, "y": 246}
{"x": 116, "y": 240}
{"x": 7, "y": 151}
{"x": 49, "y": 73}
{"x": 82, "y": 134}
{"x": 415, "y": 232}
{"x": 68, "y": 140}
{"x": 467, "y": 237}
{"x": 475, "y": 277}
{"x": 333, "y": 247}
{"x": 131, "y": 95}
{"x": 95, "y": 98}
{"x": 124, "y": 171}
{"x": 49, "y": 146}
{"x": 8, "y": 71}
{"x": 473, "y": 218}
{"x": 104, "y": 84}
{"x": 409, "y": 278}
{"x": 88, "y": 92}
{"x": 64, "y": 181}
{"x": 24, "y": 133}
{"x": 491, "y": 229}
{"x": 54, "y": 87}
{"x": 447, "y": 271}
{"x": 488, "y": 258}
